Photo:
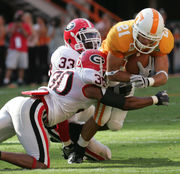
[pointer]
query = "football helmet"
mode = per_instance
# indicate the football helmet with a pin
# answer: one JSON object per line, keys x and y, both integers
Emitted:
{"x": 92, "y": 59}
{"x": 92, "y": 65}
{"x": 149, "y": 25}
{"x": 80, "y": 35}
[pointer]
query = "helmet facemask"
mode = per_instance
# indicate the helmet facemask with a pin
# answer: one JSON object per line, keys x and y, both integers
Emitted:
{"x": 140, "y": 46}
{"x": 87, "y": 39}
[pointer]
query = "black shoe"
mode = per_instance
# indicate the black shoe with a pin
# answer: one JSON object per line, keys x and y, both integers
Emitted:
{"x": 67, "y": 150}
{"x": 78, "y": 155}
{"x": 75, "y": 158}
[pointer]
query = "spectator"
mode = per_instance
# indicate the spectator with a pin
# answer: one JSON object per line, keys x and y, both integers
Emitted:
{"x": 74, "y": 12}
{"x": 31, "y": 42}
{"x": 17, "y": 56}
{"x": 42, "y": 51}
{"x": 56, "y": 30}
{"x": 2, "y": 48}
{"x": 104, "y": 25}
{"x": 171, "y": 54}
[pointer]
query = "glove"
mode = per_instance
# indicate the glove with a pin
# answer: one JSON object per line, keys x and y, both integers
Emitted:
{"x": 145, "y": 71}
{"x": 123, "y": 88}
{"x": 163, "y": 98}
{"x": 140, "y": 81}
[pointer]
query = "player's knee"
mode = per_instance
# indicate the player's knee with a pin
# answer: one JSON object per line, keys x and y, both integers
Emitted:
{"x": 114, "y": 125}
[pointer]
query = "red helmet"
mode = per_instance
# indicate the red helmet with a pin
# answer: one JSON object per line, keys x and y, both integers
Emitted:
{"x": 80, "y": 35}
{"x": 92, "y": 59}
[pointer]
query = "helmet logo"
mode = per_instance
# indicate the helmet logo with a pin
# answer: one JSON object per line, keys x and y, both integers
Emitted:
{"x": 97, "y": 59}
{"x": 139, "y": 18}
{"x": 70, "y": 26}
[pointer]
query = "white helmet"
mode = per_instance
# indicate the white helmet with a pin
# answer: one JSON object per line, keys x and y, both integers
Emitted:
{"x": 150, "y": 25}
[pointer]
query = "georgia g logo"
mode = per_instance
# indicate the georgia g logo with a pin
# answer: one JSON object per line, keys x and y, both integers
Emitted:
{"x": 97, "y": 59}
{"x": 70, "y": 26}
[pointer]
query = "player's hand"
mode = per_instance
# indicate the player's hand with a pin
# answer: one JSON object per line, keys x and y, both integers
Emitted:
{"x": 139, "y": 81}
{"x": 145, "y": 71}
{"x": 163, "y": 98}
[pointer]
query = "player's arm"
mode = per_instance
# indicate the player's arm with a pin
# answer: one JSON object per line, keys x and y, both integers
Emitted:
{"x": 118, "y": 100}
{"x": 161, "y": 64}
{"x": 113, "y": 69}
{"x": 160, "y": 78}
{"x": 161, "y": 67}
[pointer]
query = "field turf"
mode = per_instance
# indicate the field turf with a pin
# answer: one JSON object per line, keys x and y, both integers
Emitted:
{"x": 149, "y": 142}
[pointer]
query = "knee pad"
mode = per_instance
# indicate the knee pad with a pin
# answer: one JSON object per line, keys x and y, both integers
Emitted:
{"x": 116, "y": 120}
{"x": 114, "y": 125}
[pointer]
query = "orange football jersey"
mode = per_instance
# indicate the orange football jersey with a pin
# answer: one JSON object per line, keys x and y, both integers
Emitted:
{"x": 119, "y": 41}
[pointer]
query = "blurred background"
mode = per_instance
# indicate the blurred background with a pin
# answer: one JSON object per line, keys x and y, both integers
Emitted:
{"x": 46, "y": 19}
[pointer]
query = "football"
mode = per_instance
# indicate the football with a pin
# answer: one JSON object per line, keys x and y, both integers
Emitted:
{"x": 131, "y": 65}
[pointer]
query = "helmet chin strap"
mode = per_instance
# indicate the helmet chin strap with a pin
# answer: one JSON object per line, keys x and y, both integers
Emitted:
{"x": 140, "y": 47}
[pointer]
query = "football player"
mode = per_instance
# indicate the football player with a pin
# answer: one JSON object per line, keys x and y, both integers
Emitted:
{"x": 79, "y": 35}
{"x": 68, "y": 92}
{"x": 145, "y": 34}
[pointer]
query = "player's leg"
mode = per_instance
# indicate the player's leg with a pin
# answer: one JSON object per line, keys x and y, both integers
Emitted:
{"x": 97, "y": 151}
{"x": 28, "y": 124}
{"x": 118, "y": 116}
{"x": 116, "y": 119}
{"x": 86, "y": 114}
{"x": 23, "y": 65}
{"x": 11, "y": 64}
{"x": 6, "y": 126}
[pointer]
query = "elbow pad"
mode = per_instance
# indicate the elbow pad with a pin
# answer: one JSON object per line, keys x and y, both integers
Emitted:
{"x": 110, "y": 98}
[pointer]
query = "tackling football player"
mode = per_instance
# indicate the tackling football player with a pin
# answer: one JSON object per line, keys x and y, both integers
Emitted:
{"x": 67, "y": 93}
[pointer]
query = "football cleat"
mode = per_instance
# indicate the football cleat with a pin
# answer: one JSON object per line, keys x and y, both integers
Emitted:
{"x": 77, "y": 156}
{"x": 67, "y": 150}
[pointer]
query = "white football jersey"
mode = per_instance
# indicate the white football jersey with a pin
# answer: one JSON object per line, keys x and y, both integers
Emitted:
{"x": 66, "y": 93}
{"x": 63, "y": 58}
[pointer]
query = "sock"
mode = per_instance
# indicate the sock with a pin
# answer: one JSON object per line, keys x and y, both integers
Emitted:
{"x": 63, "y": 131}
{"x": 82, "y": 142}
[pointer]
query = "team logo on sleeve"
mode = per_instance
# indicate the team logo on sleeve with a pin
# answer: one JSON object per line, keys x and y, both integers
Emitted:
{"x": 97, "y": 59}
{"x": 70, "y": 26}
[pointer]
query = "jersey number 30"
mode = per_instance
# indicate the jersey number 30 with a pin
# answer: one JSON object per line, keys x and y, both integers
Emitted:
{"x": 61, "y": 82}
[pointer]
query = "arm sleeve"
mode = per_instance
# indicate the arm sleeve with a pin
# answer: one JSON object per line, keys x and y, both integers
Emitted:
{"x": 112, "y": 99}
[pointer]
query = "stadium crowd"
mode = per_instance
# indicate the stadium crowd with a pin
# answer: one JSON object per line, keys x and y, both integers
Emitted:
{"x": 26, "y": 45}
{"x": 25, "y": 57}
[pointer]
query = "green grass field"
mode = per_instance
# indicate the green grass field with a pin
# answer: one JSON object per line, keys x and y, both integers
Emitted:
{"x": 149, "y": 142}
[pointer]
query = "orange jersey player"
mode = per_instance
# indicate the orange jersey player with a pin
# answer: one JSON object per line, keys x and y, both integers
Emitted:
{"x": 145, "y": 34}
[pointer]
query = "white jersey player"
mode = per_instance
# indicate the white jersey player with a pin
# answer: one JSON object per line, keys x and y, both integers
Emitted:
{"x": 68, "y": 92}
{"x": 64, "y": 96}
{"x": 79, "y": 36}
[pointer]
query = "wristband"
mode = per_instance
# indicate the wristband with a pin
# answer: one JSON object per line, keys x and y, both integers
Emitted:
{"x": 111, "y": 73}
{"x": 165, "y": 73}
{"x": 151, "y": 81}
{"x": 155, "y": 99}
